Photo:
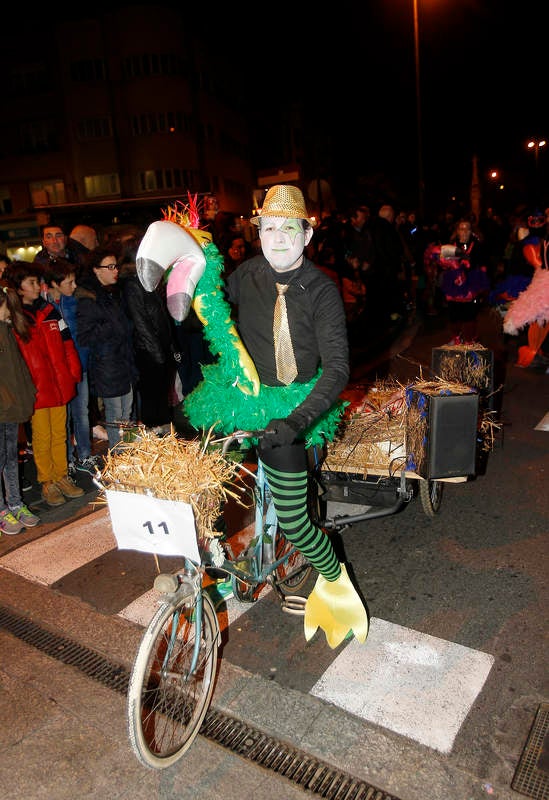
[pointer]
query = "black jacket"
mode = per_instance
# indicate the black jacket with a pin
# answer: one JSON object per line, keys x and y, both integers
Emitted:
{"x": 152, "y": 330}
{"x": 317, "y": 326}
{"x": 105, "y": 328}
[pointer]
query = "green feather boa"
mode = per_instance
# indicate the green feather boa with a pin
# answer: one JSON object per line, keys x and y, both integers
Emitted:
{"x": 218, "y": 401}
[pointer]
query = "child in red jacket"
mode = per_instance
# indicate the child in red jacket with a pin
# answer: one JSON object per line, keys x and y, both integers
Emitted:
{"x": 55, "y": 368}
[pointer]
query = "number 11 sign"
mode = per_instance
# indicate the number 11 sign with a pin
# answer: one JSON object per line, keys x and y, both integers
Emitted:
{"x": 164, "y": 527}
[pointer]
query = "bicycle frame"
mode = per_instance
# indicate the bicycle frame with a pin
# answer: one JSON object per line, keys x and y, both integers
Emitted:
{"x": 189, "y": 586}
{"x": 260, "y": 559}
{"x": 174, "y": 670}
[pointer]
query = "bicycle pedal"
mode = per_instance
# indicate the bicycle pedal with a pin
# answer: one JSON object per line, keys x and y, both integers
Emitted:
{"x": 294, "y": 604}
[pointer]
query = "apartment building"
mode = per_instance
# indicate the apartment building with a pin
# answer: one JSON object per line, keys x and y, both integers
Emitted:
{"x": 110, "y": 115}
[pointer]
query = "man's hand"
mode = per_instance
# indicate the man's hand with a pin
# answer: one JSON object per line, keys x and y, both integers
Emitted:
{"x": 278, "y": 433}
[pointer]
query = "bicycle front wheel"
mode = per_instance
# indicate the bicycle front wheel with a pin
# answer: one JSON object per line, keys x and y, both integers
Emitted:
{"x": 293, "y": 573}
{"x": 167, "y": 697}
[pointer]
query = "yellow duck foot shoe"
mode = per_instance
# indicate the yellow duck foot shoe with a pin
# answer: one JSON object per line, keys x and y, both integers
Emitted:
{"x": 336, "y": 607}
{"x": 52, "y": 495}
{"x": 68, "y": 488}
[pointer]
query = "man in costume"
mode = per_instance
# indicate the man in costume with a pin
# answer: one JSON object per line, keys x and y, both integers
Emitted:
{"x": 317, "y": 326}
{"x": 284, "y": 374}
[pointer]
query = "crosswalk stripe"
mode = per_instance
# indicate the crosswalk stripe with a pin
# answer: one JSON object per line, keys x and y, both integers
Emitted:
{"x": 409, "y": 682}
{"x": 414, "y": 684}
{"x": 543, "y": 424}
{"x": 49, "y": 558}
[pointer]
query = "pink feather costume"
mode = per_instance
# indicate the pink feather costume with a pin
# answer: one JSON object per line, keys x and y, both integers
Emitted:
{"x": 532, "y": 305}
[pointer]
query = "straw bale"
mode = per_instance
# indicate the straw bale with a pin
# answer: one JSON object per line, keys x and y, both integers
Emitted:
{"x": 373, "y": 435}
{"x": 381, "y": 430}
{"x": 170, "y": 468}
{"x": 467, "y": 364}
{"x": 441, "y": 386}
{"x": 488, "y": 429}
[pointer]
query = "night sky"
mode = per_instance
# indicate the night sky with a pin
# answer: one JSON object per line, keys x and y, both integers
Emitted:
{"x": 481, "y": 91}
{"x": 352, "y": 69}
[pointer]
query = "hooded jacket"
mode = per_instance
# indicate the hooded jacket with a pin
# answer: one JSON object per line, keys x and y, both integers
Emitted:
{"x": 50, "y": 355}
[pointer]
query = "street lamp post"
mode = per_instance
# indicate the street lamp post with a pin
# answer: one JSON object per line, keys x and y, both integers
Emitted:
{"x": 536, "y": 145}
{"x": 421, "y": 182}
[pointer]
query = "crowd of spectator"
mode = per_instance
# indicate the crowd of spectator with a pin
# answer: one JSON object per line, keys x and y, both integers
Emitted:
{"x": 104, "y": 354}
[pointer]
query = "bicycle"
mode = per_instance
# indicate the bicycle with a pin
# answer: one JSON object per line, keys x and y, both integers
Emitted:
{"x": 174, "y": 670}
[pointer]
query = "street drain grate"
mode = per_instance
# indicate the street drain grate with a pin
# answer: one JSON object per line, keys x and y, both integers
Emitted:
{"x": 308, "y": 772}
{"x": 302, "y": 769}
{"x": 532, "y": 774}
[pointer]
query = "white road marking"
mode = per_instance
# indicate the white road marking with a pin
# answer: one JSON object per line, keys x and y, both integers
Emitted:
{"x": 142, "y": 609}
{"x": 414, "y": 684}
{"x": 49, "y": 558}
{"x": 543, "y": 424}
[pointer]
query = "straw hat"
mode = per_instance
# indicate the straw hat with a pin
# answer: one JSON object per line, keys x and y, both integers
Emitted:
{"x": 283, "y": 201}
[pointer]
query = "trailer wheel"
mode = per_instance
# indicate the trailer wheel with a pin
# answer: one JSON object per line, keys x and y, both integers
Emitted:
{"x": 430, "y": 493}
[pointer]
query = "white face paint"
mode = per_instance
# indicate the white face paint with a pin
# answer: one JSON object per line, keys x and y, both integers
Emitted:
{"x": 283, "y": 242}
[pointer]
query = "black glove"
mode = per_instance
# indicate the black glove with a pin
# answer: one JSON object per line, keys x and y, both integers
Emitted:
{"x": 278, "y": 433}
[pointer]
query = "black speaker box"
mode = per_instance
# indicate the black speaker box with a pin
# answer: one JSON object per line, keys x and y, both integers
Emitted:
{"x": 473, "y": 367}
{"x": 449, "y": 444}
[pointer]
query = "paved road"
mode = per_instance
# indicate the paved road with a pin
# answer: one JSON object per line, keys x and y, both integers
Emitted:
{"x": 438, "y": 703}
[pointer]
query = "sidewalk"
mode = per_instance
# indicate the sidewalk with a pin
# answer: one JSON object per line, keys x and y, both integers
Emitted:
{"x": 53, "y": 518}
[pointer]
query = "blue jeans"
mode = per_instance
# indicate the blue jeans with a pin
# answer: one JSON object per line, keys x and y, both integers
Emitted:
{"x": 117, "y": 409}
{"x": 9, "y": 465}
{"x": 78, "y": 421}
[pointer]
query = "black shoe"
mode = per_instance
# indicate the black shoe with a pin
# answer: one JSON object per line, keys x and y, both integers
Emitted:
{"x": 91, "y": 464}
{"x": 26, "y": 485}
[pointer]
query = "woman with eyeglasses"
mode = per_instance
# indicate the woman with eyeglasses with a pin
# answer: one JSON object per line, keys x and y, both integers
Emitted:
{"x": 104, "y": 327}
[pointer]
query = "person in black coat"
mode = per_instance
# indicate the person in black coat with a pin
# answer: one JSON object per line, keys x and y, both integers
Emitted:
{"x": 385, "y": 302}
{"x": 153, "y": 342}
{"x": 104, "y": 326}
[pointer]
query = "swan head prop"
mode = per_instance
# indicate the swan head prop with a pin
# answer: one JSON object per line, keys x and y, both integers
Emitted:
{"x": 175, "y": 251}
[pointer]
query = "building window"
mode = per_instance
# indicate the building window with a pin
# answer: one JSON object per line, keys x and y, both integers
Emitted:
{"x": 147, "y": 64}
{"x": 155, "y": 180}
{"x": 26, "y": 78}
{"x": 101, "y": 185}
{"x": 92, "y": 69}
{"x": 48, "y": 193}
{"x": 5, "y": 200}
{"x": 38, "y": 136}
{"x": 161, "y": 122}
{"x": 94, "y": 128}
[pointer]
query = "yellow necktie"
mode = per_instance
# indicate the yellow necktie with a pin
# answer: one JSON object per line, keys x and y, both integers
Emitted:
{"x": 286, "y": 368}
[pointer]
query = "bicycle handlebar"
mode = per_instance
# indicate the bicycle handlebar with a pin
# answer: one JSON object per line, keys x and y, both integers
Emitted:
{"x": 240, "y": 435}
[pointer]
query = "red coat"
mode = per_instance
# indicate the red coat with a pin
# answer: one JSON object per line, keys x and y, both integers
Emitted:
{"x": 51, "y": 357}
